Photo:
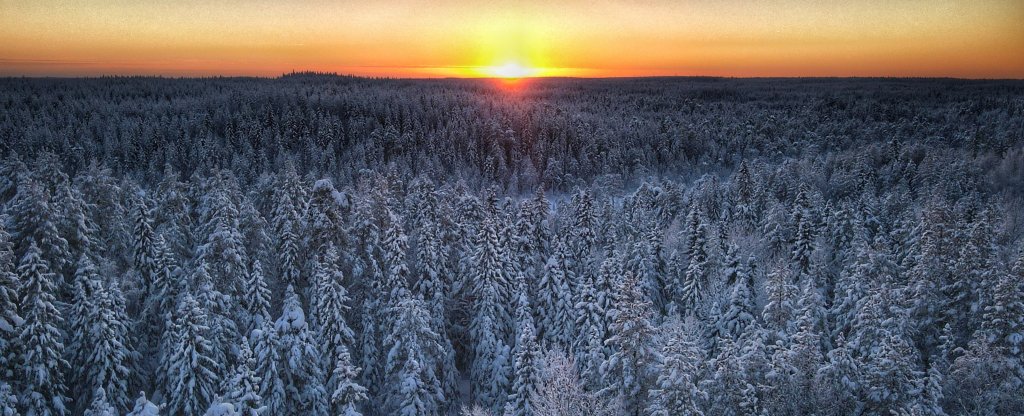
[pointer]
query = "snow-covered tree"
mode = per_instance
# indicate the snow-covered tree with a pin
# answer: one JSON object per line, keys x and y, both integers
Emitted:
{"x": 100, "y": 406}
{"x": 695, "y": 280}
{"x": 555, "y": 299}
{"x": 410, "y": 373}
{"x": 255, "y": 300}
{"x": 626, "y": 375}
{"x": 10, "y": 319}
{"x": 679, "y": 371}
{"x": 562, "y": 393}
{"x": 40, "y": 347}
{"x": 347, "y": 394}
{"x": 266, "y": 352}
{"x": 193, "y": 372}
{"x": 242, "y": 386}
{"x": 526, "y": 356}
{"x": 299, "y": 368}
{"x": 99, "y": 354}
{"x": 144, "y": 407}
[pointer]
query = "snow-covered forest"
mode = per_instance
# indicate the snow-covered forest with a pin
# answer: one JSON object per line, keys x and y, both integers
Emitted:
{"x": 326, "y": 245}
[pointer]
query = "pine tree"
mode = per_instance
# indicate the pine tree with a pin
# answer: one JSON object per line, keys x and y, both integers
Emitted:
{"x": 489, "y": 372}
{"x": 33, "y": 221}
{"x": 218, "y": 310}
{"x": 739, "y": 313}
{"x": 591, "y": 330}
{"x": 193, "y": 371}
{"x": 411, "y": 389}
{"x": 100, "y": 406}
{"x": 84, "y": 311}
{"x": 324, "y": 217}
{"x": 744, "y": 195}
{"x": 433, "y": 286}
{"x": 347, "y": 392}
{"x": 930, "y": 401}
{"x": 40, "y": 343}
{"x": 144, "y": 407}
{"x": 677, "y": 388}
{"x": 396, "y": 271}
{"x": 492, "y": 279}
{"x": 526, "y": 357}
{"x": 99, "y": 345}
{"x": 695, "y": 277}
{"x": 555, "y": 299}
{"x": 975, "y": 268}
{"x": 10, "y": 319}
{"x": 584, "y": 235}
{"x": 780, "y": 310}
{"x": 8, "y": 401}
{"x": 242, "y": 386}
{"x": 1004, "y": 315}
{"x": 224, "y": 250}
{"x": 372, "y": 325}
{"x": 645, "y": 261}
{"x": 255, "y": 302}
{"x": 409, "y": 368}
{"x": 266, "y": 352}
{"x": 432, "y": 259}
{"x": 605, "y": 288}
{"x": 144, "y": 250}
{"x": 890, "y": 376}
{"x": 626, "y": 373}
{"x": 838, "y": 385}
{"x": 299, "y": 366}
{"x": 288, "y": 253}
{"x": 803, "y": 238}
{"x": 333, "y": 332}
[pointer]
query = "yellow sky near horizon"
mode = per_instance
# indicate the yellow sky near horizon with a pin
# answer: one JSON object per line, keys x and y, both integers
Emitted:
{"x": 415, "y": 38}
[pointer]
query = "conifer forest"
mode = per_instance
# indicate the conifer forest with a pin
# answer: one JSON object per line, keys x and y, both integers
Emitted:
{"x": 316, "y": 244}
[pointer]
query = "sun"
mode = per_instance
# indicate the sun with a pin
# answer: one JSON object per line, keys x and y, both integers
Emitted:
{"x": 510, "y": 70}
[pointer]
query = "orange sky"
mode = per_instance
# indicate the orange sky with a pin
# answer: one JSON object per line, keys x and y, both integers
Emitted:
{"x": 970, "y": 39}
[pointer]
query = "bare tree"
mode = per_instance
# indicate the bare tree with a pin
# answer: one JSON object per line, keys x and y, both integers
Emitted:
{"x": 562, "y": 394}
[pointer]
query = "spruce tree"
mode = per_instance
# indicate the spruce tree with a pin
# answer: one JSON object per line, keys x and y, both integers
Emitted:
{"x": 255, "y": 301}
{"x": 99, "y": 405}
{"x": 242, "y": 386}
{"x": 40, "y": 346}
{"x": 740, "y": 311}
{"x": 1004, "y": 315}
{"x": 8, "y": 401}
{"x": 591, "y": 331}
{"x": 144, "y": 407}
{"x": 695, "y": 277}
{"x": 10, "y": 319}
{"x": 100, "y": 355}
{"x": 626, "y": 374}
{"x": 144, "y": 250}
{"x": 347, "y": 394}
{"x": 193, "y": 372}
{"x": 299, "y": 367}
{"x": 526, "y": 357}
{"x": 410, "y": 370}
{"x": 266, "y": 352}
{"x": 803, "y": 237}
{"x": 677, "y": 388}
{"x": 555, "y": 299}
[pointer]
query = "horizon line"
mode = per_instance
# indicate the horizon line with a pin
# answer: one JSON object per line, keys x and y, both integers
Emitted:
{"x": 539, "y": 77}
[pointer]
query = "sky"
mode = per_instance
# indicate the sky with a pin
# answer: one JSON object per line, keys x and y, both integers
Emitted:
{"x": 461, "y": 38}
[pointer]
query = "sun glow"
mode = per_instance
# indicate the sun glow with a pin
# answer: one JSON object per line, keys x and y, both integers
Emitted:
{"x": 511, "y": 70}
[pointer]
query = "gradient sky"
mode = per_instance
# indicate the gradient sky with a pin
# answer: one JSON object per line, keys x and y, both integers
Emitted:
{"x": 969, "y": 39}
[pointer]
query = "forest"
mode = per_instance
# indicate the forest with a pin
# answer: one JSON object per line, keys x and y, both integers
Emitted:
{"x": 317, "y": 244}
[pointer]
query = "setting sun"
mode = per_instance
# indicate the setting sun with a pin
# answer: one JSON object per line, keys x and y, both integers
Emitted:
{"x": 510, "y": 70}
